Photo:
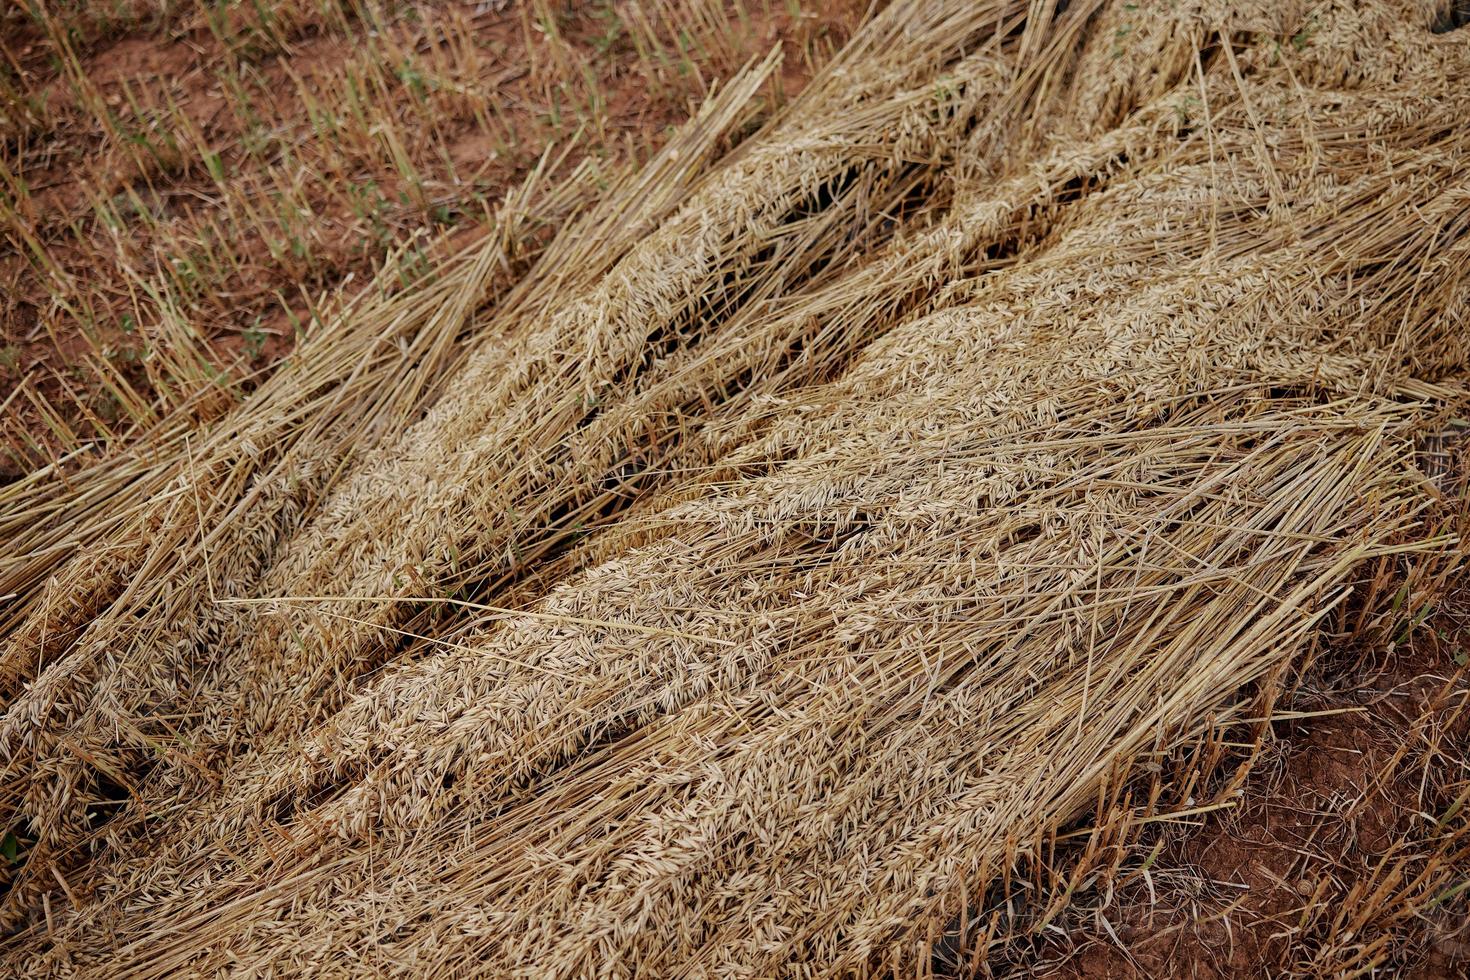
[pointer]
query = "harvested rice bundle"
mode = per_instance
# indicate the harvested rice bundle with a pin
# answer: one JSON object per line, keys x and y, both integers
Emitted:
{"x": 216, "y": 677}
{"x": 1092, "y": 442}
{"x": 211, "y": 518}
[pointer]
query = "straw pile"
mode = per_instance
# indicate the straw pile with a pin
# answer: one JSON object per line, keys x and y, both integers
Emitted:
{"x": 815, "y": 528}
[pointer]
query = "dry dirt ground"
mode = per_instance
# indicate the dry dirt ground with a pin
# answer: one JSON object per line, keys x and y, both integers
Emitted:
{"x": 185, "y": 185}
{"x": 1337, "y": 821}
{"x": 212, "y": 174}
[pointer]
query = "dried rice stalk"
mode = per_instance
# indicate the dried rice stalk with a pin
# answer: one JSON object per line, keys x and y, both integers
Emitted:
{"x": 1026, "y": 390}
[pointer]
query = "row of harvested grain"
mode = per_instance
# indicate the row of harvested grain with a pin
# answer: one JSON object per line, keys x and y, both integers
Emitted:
{"x": 905, "y": 546}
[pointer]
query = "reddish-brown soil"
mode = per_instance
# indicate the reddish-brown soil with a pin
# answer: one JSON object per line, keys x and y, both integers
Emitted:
{"x": 249, "y": 167}
{"x": 1334, "y": 862}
